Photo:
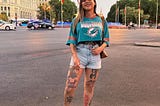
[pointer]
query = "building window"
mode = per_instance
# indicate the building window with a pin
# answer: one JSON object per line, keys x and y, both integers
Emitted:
{"x": 5, "y": 8}
{"x": 8, "y": 8}
{"x": 1, "y": 8}
{"x": 5, "y": 1}
{"x": 9, "y": 15}
{"x": 21, "y": 15}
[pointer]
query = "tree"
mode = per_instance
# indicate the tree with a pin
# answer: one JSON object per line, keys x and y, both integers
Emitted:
{"x": 111, "y": 14}
{"x": 69, "y": 9}
{"x": 148, "y": 10}
{"x": 132, "y": 15}
{"x": 3, "y": 16}
{"x": 46, "y": 12}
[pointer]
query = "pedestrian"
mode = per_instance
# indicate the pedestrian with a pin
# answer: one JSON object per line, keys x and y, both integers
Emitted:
{"x": 86, "y": 43}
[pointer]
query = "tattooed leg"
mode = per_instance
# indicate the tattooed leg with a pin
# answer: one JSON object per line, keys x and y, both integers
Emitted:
{"x": 91, "y": 76}
{"x": 73, "y": 78}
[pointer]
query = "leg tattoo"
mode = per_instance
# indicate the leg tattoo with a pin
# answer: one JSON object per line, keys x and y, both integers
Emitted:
{"x": 72, "y": 78}
{"x": 87, "y": 100}
{"x": 89, "y": 86}
{"x": 90, "y": 83}
{"x": 93, "y": 74}
{"x": 69, "y": 99}
{"x": 71, "y": 85}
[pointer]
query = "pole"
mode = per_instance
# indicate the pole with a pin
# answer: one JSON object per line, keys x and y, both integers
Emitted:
{"x": 45, "y": 14}
{"x": 125, "y": 11}
{"x": 16, "y": 18}
{"x": 61, "y": 14}
{"x": 139, "y": 13}
{"x": 50, "y": 15}
{"x": 44, "y": 9}
{"x": 116, "y": 13}
{"x": 157, "y": 15}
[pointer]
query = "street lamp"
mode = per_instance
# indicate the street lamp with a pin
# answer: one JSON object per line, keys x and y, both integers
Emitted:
{"x": 125, "y": 13}
{"x": 117, "y": 12}
{"x": 157, "y": 15}
{"x": 62, "y": 1}
{"x": 49, "y": 9}
{"x": 16, "y": 18}
{"x": 44, "y": 8}
{"x": 139, "y": 7}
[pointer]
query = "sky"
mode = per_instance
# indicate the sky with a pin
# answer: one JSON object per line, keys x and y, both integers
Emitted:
{"x": 102, "y": 5}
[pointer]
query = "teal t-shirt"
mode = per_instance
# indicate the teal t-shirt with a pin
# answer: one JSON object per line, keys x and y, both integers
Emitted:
{"x": 89, "y": 29}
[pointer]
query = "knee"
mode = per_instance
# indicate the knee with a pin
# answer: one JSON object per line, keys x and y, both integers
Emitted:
{"x": 71, "y": 86}
{"x": 89, "y": 85}
{"x": 69, "y": 90}
{"x": 68, "y": 100}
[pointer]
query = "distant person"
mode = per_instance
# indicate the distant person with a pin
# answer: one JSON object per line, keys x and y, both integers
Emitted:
{"x": 84, "y": 40}
{"x": 131, "y": 24}
{"x": 11, "y": 21}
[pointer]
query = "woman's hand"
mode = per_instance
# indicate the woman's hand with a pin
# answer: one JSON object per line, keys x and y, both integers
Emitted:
{"x": 98, "y": 50}
{"x": 76, "y": 62}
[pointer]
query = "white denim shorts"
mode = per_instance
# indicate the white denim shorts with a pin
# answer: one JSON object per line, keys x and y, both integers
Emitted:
{"x": 87, "y": 59}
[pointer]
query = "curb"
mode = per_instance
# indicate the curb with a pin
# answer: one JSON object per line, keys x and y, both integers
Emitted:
{"x": 149, "y": 44}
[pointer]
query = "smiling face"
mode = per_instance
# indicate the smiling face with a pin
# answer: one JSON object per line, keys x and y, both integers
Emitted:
{"x": 88, "y": 5}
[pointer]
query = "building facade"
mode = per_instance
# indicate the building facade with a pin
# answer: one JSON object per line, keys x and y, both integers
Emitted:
{"x": 20, "y": 8}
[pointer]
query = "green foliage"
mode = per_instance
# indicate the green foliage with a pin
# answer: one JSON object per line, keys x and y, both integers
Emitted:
{"x": 111, "y": 14}
{"x": 54, "y": 13}
{"x": 148, "y": 10}
{"x": 3, "y": 16}
{"x": 69, "y": 9}
{"x": 46, "y": 12}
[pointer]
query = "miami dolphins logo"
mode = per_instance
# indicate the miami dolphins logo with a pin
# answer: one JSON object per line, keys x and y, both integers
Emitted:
{"x": 92, "y": 32}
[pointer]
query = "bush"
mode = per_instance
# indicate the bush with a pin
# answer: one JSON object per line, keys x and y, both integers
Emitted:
{"x": 3, "y": 16}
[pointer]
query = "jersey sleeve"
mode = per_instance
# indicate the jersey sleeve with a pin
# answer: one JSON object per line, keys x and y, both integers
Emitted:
{"x": 72, "y": 39}
{"x": 106, "y": 34}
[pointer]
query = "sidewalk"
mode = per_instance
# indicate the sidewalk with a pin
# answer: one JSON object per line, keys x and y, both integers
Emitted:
{"x": 148, "y": 43}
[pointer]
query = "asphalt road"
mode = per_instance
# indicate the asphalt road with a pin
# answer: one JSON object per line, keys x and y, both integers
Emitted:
{"x": 33, "y": 68}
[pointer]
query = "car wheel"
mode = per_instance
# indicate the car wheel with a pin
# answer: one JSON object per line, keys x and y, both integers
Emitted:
{"x": 32, "y": 28}
{"x": 50, "y": 27}
{"x": 7, "y": 28}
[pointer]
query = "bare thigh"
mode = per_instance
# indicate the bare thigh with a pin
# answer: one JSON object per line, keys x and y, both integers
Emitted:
{"x": 73, "y": 77}
{"x": 91, "y": 76}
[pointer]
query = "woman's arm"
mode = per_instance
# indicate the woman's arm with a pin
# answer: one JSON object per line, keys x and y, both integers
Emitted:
{"x": 75, "y": 57}
{"x": 98, "y": 50}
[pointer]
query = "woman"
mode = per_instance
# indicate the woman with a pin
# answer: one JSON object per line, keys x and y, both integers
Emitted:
{"x": 84, "y": 40}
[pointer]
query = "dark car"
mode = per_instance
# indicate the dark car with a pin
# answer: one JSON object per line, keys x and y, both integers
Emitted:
{"x": 40, "y": 25}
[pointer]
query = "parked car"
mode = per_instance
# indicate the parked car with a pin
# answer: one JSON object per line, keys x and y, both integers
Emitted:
{"x": 6, "y": 25}
{"x": 145, "y": 26}
{"x": 40, "y": 25}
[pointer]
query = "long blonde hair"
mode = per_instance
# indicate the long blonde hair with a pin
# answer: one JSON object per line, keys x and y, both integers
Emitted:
{"x": 81, "y": 14}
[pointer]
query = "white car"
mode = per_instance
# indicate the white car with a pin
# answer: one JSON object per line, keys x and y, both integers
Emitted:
{"x": 6, "y": 25}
